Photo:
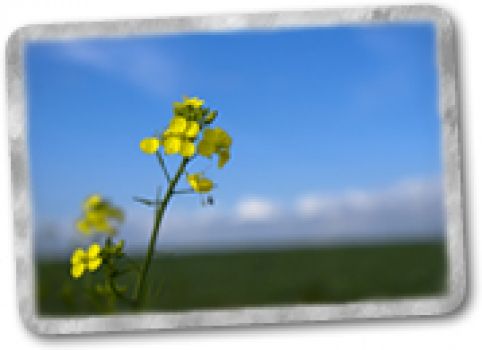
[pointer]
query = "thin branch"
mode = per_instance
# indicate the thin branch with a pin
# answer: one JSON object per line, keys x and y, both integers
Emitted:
{"x": 118, "y": 293}
{"x": 140, "y": 290}
{"x": 185, "y": 191}
{"x": 144, "y": 201}
{"x": 148, "y": 202}
{"x": 163, "y": 166}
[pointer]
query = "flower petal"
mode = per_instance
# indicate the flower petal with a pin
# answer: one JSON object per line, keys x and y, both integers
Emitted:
{"x": 103, "y": 225}
{"x": 209, "y": 135}
{"x": 115, "y": 213}
{"x": 94, "y": 251}
{"x": 205, "y": 148}
{"x": 94, "y": 264}
{"x": 172, "y": 145}
{"x": 149, "y": 145}
{"x": 222, "y": 138}
{"x": 77, "y": 270}
{"x": 193, "y": 179}
{"x": 223, "y": 157}
{"x": 205, "y": 185}
{"x": 187, "y": 149}
{"x": 92, "y": 201}
{"x": 199, "y": 183}
{"x": 178, "y": 125}
{"x": 83, "y": 226}
{"x": 192, "y": 129}
{"x": 77, "y": 256}
{"x": 193, "y": 101}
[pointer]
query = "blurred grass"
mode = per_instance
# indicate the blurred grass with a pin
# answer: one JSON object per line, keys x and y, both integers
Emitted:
{"x": 256, "y": 278}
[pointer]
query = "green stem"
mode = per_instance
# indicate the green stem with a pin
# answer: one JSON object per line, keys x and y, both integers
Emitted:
{"x": 118, "y": 293}
{"x": 141, "y": 286}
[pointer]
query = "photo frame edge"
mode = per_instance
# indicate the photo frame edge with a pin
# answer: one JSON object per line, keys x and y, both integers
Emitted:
{"x": 453, "y": 172}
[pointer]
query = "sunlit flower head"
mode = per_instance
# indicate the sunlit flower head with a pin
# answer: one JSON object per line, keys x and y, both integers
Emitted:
{"x": 149, "y": 145}
{"x": 193, "y": 101}
{"x": 179, "y": 137}
{"x": 216, "y": 141}
{"x": 82, "y": 260}
{"x": 190, "y": 117}
{"x": 99, "y": 216}
{"x": 199, "y": 183}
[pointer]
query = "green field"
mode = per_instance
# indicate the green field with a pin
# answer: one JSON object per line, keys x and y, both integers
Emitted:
{"x": 257, "y": 278}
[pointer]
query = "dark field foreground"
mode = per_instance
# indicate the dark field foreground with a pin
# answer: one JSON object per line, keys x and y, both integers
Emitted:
{"x": 257, "y": 278}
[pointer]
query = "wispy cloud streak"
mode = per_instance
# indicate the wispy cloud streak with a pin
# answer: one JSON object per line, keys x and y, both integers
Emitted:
{"x": 142, "y": 65}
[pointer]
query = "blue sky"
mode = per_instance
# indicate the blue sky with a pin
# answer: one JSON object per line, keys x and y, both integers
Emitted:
{"x": 318, "y": 112}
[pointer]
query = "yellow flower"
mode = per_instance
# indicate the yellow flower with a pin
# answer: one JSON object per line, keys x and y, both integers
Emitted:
{"x": 98, "y": 215}
{"x": 187, "y": 149}
{"x": 181, "y": 134}
{"x": 172, "y": 145}
{"x": 83, "y": 226}
{"x": 206, "y": 148}
{"x": 82, "y": 260}
{"x": 177, "y": 125}
{"x": 223, "y": 157}
{"x": 149, "y": 145}
{"x": 178, "y": 137}
{"x": 192, "y": 129}
{"x": 199, "y": 183}
{"x": 193, "y": 101}
{"x": 215, "y": 141}
{"x": 95, "y": 223}
{"x": 92, "y": 201}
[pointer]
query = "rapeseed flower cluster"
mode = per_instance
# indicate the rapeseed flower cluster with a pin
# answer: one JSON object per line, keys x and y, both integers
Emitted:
{"x": 99, "y": 216}
{"x": 192, "y": 119}
{"x": 179, "y": 137}
{"x": 82, "y": 260}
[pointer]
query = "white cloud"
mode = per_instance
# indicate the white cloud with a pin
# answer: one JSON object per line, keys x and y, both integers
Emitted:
{"x": 411, "y": 206}
{"x": 256, "y": 209}
{"x": 310, "y": 205}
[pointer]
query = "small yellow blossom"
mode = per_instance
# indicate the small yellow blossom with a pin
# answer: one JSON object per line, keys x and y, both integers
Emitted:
{"x": 82, "y": 260}
{"x": 179, "y": 137}
{"x": 172, "y": 145}
{"x": 98, "y": 216}
{"x": 192, "y": 129}
{"x": 149, "y": 145}
{"x": 178, "y": 125}
{"x": 215, "y": 141}
{"x": 187, "y": 149}
{"x": 82, "y": 226}
{"x": 199, "y": 183}
{"x": 193, "y": 101}
{"x": 92, "y": 201}
{"x": 223, "y": 157}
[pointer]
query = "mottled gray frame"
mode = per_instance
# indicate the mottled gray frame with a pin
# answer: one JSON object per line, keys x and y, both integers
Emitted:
{"x": 452, "y": 151}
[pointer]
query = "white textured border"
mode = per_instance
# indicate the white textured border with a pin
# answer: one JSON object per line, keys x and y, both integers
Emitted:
{"x": 453, "y": 175}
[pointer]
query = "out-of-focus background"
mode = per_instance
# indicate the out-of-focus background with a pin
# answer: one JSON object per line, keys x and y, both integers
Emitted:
{"x": 333, "y": 193}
